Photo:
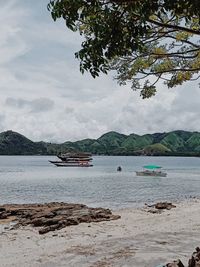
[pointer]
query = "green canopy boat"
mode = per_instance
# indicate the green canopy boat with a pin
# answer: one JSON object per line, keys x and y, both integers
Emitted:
{"x": 151, "y": 170}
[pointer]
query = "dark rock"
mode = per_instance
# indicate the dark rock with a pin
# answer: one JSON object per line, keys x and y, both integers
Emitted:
{"x": 155, "y": 211}
{"x": 54, "y": 216}
{"x": 194, "y": 261}
{"x": 55, "y": 235}
{"x": 52, "y": 221}
{"x": 164, "y": 205}
{"x": 177, "y": 263}
{"x": 84, "y": 219}
{"x": 3, "y": 215}
{"x": 45, "y": 230}
{"x": 38, "y": 221}
{"x": 2, "y": 209}
{"x": 50, "y": 228}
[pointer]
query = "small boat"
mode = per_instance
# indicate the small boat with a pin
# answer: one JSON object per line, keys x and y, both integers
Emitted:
{"x": 151, "y": 170}
{"x": 119, "y": 168}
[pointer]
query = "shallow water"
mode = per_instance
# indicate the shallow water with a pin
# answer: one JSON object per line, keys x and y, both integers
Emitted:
{"x": 28, "y": 179}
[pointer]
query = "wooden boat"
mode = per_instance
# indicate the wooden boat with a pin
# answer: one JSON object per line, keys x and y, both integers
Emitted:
{"x": 69, "y": 161}
{"x": 151, "y": 170}
{"x": 73, "y": 160}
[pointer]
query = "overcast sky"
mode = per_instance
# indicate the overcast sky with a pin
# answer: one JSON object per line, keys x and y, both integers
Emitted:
{"x": 44, "y": 96}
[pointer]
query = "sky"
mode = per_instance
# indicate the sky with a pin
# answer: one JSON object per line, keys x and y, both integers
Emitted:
{"x": 45, "y": 97}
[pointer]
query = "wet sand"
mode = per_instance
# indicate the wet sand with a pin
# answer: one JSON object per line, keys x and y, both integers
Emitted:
{"x": 138, "y": 239}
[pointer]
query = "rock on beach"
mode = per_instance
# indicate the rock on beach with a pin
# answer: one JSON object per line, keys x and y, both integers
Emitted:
{"x": 53, "y": 216}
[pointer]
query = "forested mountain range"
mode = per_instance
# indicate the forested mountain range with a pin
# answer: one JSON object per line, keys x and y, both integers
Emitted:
{"x": 111, "y": 143}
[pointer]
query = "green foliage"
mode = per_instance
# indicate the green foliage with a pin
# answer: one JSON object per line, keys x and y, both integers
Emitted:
{"x": 144, "y": 41}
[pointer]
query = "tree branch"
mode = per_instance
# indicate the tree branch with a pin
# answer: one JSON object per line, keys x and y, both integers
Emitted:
{"x": 170, "y": 26}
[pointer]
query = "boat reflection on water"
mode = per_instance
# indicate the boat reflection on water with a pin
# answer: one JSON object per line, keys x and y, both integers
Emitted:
{"x": 78, "y": 159}
{"x": 151, "y": 170}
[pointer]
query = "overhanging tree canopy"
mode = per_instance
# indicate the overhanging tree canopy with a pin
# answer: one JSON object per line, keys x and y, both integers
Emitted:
{"x": 144, "y": 41}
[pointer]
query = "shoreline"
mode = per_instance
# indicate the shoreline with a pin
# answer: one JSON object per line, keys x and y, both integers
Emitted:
{"x": 138, "y": 239}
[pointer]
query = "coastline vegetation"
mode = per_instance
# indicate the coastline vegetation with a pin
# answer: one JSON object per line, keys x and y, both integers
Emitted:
{"x": 175, "y": 143}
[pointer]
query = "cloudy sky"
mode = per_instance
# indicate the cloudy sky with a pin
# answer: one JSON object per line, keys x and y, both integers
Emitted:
{"x": 44, "y": 97}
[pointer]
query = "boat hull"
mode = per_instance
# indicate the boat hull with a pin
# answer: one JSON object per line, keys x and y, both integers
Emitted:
{"x": 62, "y": 164}
{"x": 149, "y": 173}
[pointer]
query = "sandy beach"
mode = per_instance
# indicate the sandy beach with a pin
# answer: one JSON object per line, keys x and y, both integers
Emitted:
{"x": 138, "y": 239}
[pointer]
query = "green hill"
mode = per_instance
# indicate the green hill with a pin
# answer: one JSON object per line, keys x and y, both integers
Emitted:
{"x": 156, "y": 149}
{"x": 12, "y": 143}
{"x": 173, "y": 141}
{"x": 112, "y": 143}
{"x": 193, "y": 143}
{"x": 134, "y": 142}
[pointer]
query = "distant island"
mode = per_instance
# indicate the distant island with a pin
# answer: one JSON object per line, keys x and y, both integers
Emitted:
{"x": 175, "y": 143}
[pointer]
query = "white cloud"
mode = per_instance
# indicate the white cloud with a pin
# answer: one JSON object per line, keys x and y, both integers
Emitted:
{"x": 44, "y": 96}
{"x": 35, "y": 105}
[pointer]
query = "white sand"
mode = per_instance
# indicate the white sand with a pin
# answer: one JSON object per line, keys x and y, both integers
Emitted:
{"x": 138, "y": 239}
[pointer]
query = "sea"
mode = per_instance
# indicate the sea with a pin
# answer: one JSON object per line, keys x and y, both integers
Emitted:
{"x": 33, "y": 179}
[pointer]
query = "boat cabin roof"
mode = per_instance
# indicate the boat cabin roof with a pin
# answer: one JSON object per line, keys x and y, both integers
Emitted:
{"x": 152, "y": 167}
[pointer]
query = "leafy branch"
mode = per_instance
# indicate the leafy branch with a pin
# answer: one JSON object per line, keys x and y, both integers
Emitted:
{"x": 143, "y": 41}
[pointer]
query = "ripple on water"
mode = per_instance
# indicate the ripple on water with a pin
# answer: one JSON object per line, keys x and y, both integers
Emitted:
{"x": 29, "y": 179}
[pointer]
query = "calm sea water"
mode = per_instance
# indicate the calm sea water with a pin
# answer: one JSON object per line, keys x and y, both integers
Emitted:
{"x": 28, "y": 179}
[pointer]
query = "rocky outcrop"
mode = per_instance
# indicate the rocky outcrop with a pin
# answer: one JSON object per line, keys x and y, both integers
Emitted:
{"x": 194, "y": 261}
{"x": 177, "y": 263}
{"x": 159, "y": 207}
{"x": 164, "y": 205}
{"x": 3, "y": 213}
{"x": 54, "y": 216}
